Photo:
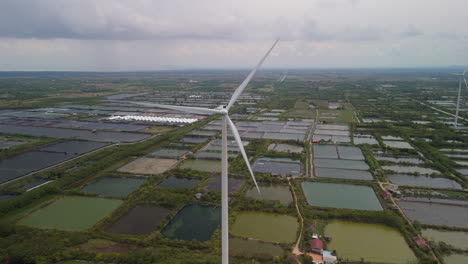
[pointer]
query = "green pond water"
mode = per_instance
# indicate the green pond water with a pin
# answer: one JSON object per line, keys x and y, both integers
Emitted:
{"x": 371, "y": 242}
{"x": 72, "y": 213}
{"x": 178, "y": 183}
{"x": 202, "y": 165}
{"x": 453, "y": 238}
{"x": 114, "y": 186}
{"x": 456, "y": 259}
{"x": 194, "y": 221}
{"x": 341, "y": 196}
{"x": 274, "y": 192}
{"x": 252, "y": 248}
{"x": 266, "y": 227}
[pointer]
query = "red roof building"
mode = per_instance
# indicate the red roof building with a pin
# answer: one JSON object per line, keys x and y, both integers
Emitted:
{"x": 420, "y": 241}
{"x": 385, "y": 194}
{"x": 316, "y": 245}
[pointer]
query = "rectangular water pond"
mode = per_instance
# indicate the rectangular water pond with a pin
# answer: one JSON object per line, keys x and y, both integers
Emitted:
{"x": 141, "y": 220}
{"x": 214, "y": 184}
{"x": 194, "y": 139}
{"x": 398, "y": 144}
{"x": 414, "y": 161}
{"x": 174, "y": 182}
{"x": 20, "y": 165}
{"x": 350, "y": 153}
{"x": 274, "y": 192}
{"x": 341, "y": 164}
{"x": 278, "y": 166}
{"x": 375, "y": 242}
{"x": 75, "y": 147}
{"x": 202, "y": 165}
{"x": 266, "y": 227}
{"x": 71, "y": 213}
{"x": 410, "y": 169}
{"x": 99, "y": 136}
{"x": 436, "y": 213}
{"x": 343, "y": 174}
{"x": 114, "y": 186}
{"x": 456, "y": 239}
{"x": 325, "y": 151}
{"x": 285, "y": 148}
{"x": 338, "y": 195}
{"x": 193, "y": 221}
{"x": 174, "y": 153}
{"x": 424, "y": 181}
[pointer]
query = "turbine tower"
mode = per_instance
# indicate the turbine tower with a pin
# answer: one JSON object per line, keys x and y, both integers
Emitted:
{"x": 461, "y": 75}
{"x": 226, "y": 120}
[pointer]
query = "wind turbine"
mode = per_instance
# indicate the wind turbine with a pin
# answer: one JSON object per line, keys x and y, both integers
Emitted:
{"x": 226, "y": 120}
{"x": 461, "y": 75}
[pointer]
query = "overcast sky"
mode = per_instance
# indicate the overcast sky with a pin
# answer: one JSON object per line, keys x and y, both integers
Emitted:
{"x": 117, "y": 35}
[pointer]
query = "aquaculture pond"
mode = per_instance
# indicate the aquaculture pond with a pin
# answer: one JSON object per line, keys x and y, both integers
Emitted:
{"x": 114, "y": 186}
{"x": 213, "y": 155}
{"x": 252, "y": 248}
{"x": 214, "y": 184}
{"x": 75, "y": 147}
{"x": 194, "y": 139}
{"x": 341, "y": 196}
{"x": 424, "y": 181}
{"x": 141, "y": 220}
{"x": 285, "y": 148}
{"x": 169, "y": 153}
{"x": 266, "y": 227}
{"x": 277, "y": 166}
{"x": 456, "y": 259}
{"x": 99, "y": 136}
{"x": 350, "y": 152}
{"x": 273, "y": 192}
{"x": 414, "y": 161}
{"x": 193, "y": 221}
{"x": 341, "y": 164}
{"x": 179, "y": 183}
{"x": 71, "y": 213}
{"x": 202, "y": 165}
{"x": 20, "y": 165}
{"x": 436, "y": 213}
{"x": 343, "y": 174}
{"x": 410, "y": 169}
{"x": 398, "y": 144}
{"x": 456, "y": 239}
{"x": 372, "y": 245}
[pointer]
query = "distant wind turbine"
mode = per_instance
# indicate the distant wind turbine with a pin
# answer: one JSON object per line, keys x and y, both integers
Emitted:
{"x": 224, "y": 111}
{"x": 461, "y": 75}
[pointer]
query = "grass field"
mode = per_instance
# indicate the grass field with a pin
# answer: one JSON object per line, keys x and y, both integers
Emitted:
{"x": 340, "y": 116}
{"x": 73, "y": 213}
{"x": 301, "y": 110}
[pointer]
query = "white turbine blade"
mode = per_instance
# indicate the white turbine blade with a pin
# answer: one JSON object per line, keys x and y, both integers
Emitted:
{"x": 195, "y": 110}
{"x": 236, "y": 135}
{"x": 241, "y": 87}
{"x": 465, "y": 71}
{"x": 466, "y": 84}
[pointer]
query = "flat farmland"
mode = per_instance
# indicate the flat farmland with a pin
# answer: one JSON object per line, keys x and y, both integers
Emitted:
{"x": 147, "y": 165}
